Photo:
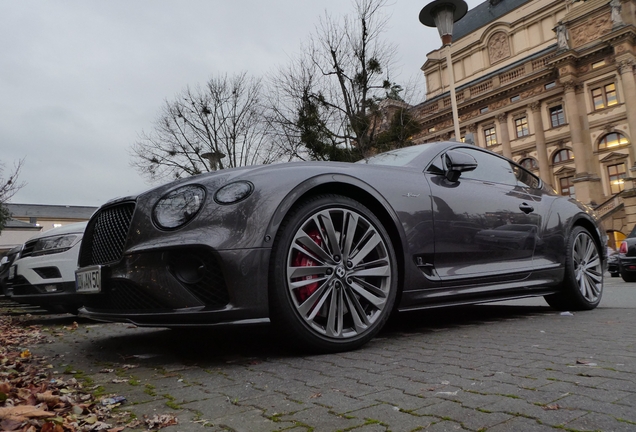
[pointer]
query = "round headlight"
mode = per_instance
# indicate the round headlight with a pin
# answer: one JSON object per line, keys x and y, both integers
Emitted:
{"x": 233, "y": 192}
{"x": 178, "y": 207}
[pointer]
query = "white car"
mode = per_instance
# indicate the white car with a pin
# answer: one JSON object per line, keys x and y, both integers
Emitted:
{"x": 44, "y": 274}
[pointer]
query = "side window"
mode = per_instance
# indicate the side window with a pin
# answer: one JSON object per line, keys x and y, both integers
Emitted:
{"x": 490, "y": 168}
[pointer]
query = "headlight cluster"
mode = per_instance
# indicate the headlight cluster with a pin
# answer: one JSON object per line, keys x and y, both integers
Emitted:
{"x": 233, "y": 192}
{"x": 55, "y": 244}
{"x": 181, "y": 205}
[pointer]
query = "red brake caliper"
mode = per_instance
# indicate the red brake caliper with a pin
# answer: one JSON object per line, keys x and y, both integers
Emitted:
{"x": 302, "y": 260}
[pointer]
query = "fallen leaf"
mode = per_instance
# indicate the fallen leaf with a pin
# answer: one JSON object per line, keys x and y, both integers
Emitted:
{"x": 10, "y": 425}
{"x": 23, "y": 412}
{"x": 48, "y": 397}
{"x": 161, "y": 421}
{"x": 51, "y": 427}
{"x": 551, "y": 407}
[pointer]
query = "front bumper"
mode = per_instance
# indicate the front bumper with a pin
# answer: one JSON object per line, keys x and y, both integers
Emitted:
{"x": 627, "y": 264}
{"x": 47, "y": 280}
{"x": 183, "y": 286}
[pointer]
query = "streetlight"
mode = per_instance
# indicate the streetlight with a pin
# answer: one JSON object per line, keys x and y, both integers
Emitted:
{"x": 214, "y": 158}
{"x": 443, "y": 14}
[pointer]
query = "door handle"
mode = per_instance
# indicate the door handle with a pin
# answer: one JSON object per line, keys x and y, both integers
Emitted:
{"x": 526, "y": 208}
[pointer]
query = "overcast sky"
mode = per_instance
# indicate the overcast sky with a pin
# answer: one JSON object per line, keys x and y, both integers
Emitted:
{"x": 79, "y": 80}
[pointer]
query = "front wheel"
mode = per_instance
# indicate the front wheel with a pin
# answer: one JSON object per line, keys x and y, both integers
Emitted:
{"x": 583, "y": 282}
{"x": 333, "y": 277}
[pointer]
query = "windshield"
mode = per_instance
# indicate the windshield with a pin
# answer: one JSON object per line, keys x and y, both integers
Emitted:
{"x": 399, "y": 157}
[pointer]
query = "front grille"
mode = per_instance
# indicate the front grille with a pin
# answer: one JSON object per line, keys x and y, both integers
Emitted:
{"x": 118, "y": 294}
{"x": 28, "y": 248}
{"x": 105, "y": 235}
{"x": 199, "y": 272}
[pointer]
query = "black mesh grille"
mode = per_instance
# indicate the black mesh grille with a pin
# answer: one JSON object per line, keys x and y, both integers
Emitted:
{"x": 118, "y": 294}
{"x": 204, "y": 280}
{"x": 105, "y": 235}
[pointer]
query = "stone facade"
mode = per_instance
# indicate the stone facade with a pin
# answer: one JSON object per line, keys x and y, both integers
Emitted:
{"x": 549, "y": 83}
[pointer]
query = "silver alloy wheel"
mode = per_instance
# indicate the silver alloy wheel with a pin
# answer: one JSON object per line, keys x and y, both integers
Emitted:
{"x": 588, "y": 268}
{"x": 338, "y": 273}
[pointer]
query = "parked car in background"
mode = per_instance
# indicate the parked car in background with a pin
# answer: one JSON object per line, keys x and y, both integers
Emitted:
{"x": 612, "y": 264}
{"x": 5, "y": 265}
{"x": 627, "y": 259}
{"x": 44, "y": 273}
{"x": 327, "y": 251}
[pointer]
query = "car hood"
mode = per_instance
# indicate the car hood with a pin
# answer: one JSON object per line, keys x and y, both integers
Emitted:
{"x": 73, "y": 228}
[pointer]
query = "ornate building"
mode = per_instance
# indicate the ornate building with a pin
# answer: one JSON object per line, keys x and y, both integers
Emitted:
{"x": 550, "y": 84}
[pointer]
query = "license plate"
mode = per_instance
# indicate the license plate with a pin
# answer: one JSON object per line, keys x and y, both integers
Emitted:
{"x": 88, "y": 280}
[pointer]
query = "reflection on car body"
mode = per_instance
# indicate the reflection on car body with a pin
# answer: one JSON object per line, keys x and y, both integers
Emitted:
{"x": 326, "y": 251}
{"x": 511, "y": 236}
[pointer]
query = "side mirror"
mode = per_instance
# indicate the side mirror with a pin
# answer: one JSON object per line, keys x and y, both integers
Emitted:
{"x": 457, "y": 162}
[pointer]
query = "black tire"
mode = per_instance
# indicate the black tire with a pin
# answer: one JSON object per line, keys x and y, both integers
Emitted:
{"x": 628, "y": 276}
{"x": 614, "y": 275}
{"x": 340, "y": 243}
{"x": 582, "y": 287}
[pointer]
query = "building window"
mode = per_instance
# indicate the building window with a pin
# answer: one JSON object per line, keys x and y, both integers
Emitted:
{"x": 529, "y": 164}
{"x": 550, "y": 85}
{"x": 515, "y": 98}
{"x": 613, "y": 139}
{"x": 598, "y": 64}
{"x": 563, "y": 156}
{"x": 604, "y": 96}
{"x": 616, "y": 175}
{"x": 491, "y": 136}
{"x": 557, "y": 116}
{"x": 567, "y": 186}
{"x": 521, "y": 125}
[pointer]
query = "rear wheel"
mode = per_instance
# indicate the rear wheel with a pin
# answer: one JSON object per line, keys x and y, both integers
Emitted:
{"x": 333, "y": 277}
{"x": 583, "y": 282}
{"x": 627, "y": 276}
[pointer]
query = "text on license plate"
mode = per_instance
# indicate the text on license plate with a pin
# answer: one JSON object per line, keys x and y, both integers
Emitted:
{"x": 89, "y": 280}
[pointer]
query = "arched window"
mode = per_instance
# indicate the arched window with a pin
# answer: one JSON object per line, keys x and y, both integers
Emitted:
{"x": 529, "y": 163}
{"x": 563, "y": 156}
{"x": 612, "y": 139}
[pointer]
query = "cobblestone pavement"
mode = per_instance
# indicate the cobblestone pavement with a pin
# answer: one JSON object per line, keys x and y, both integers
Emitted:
{"x": 501, "y": 367}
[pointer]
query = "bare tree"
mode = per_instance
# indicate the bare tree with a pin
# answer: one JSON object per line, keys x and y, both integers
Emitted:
{"x": 330, "y": 94}
{"x": 9, "y": 186}
{"x": 205, "y": 129}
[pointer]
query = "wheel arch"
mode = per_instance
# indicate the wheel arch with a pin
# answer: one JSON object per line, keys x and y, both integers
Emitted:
{"x": 355, "y": 189}
{"x": 592, "y": 228}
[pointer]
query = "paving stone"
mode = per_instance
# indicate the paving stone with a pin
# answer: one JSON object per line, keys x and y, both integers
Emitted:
{"x": 520, "y": 424}
{"x": 393, "y": 418}
{"x": 602, "y": 422}
{"x": 494, "y": 369}
{"x": 251, "y": 421}
{"x": 469, "y": 418}
{"x": 339, "y": 402}
{"x": 322, "y": 419}
{"x": 403, "y": 400}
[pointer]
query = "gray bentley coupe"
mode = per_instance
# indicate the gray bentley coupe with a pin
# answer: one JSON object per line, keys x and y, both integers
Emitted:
{"x": 326, "y": 251}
